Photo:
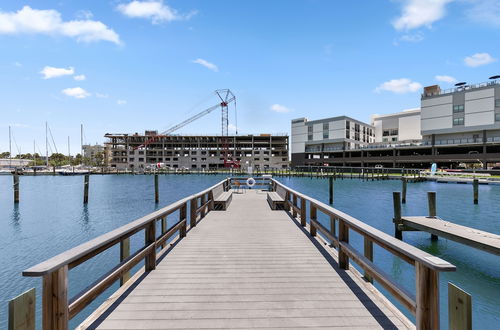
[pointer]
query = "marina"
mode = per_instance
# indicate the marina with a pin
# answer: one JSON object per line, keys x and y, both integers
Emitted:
{"x": 484, "y": 275}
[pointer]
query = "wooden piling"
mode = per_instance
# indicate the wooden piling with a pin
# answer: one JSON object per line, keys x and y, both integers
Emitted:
{"x": 22, "y": 311}
{"x": 16, "y": 187}
{"x": 330, "y": 190}
{"x": 403, "y": 198}
{"x": 157, "y": 193}
{"x": 459, "y": 308}
{"x": 86, "y": 189}
{"x": 475, "y": 185}
{"x": 431, "y": 198}
{"x": 396, "y": 199}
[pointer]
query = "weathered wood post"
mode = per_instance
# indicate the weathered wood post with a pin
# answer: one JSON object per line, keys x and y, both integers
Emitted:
{"x": 22, "y": 311}
{"x": 303, "y": 220}
{"x": 330, "y": 190}
{"x": 475, "y": 184}
{"x": 16, "y": 187}
{"x": 182, "y": 216}
{"x": 343, "y": 237}
{"x": 55, "y": 311}
{"x": 427, "y": 297}
{"x": 124, "y": 254}
{"x": 431, "y": 197}
{"x": 157, "y": 193}
{"x": 193, "y": 205}
{"x": 396, "y": 200}
{"x": 403, "y": 199}
{"x": 312, "y": 216}
{"x": 294, "y": 210}
{"x": 86, "y": 189}
{"x": 163, "y": 229}
{"x": 150, "y": 238}
{"x": 459, "y": 308}
{"x": 368, "y": 252}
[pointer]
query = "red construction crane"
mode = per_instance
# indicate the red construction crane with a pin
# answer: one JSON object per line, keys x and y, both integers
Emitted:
{"x": 226, "y": 97}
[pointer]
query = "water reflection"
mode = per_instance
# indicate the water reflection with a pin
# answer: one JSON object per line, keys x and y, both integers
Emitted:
{"x": 16, "y": 218}
{"x": 85, "y": 219}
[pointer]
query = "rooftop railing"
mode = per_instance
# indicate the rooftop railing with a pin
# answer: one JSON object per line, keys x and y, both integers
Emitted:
{"x": 461, "y": 88}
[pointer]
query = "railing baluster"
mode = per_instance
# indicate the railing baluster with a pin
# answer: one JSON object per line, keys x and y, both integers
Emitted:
{"x": 203, "y": 201}
{"x": 149, "y": 238}
{"x": 332, "y": 226}
{"x": 427, "y": 287}
{"x": 124, "y": 254}
{"x": 192, "y": 208}
{"x": 163, "y": 229}
{"x": 368, "y": 252}
{"x": 343, "y": 237}
{"x": 303, "y": 220}
{"x": 182, "y": 216}
{"x": 294, "y": 210}
{"x": 55, "y": 300}
{"x": 312, "y": 216}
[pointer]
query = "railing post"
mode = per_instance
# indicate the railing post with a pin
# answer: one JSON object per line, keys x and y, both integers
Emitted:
{"x": 150, "y": 238}
{"x": 124, "y": 254}
{"x": 332, "y": 226}
{"x": 312, "y": 216}
{"x": 192, "y": 210}
{"x": 294, "y": 210}
{"x": 343, "y": 237}
{"x": 459, "y": 308}
{"x": 203, "y": 201}
{"x": 211, "y": 199}
{"x": 182, "y": 216}
{"x": 55, "y": 300}
{"x": 287, "y": 201}
{"x": 427, "y": 287}
{"x": 396, "y": 199}
{"x": 303, "y": 220}
{"x": 163, "y": 229}
{"x": 368, "y": 251}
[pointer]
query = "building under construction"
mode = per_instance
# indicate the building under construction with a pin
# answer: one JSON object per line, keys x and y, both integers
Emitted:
{"x": 135, "y": 151}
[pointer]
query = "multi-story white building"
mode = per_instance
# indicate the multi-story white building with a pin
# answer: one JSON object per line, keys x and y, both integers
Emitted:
{"x": 466, "y": 114}
{"x": 397, "y": 127}
{"x": 326, "y": 135}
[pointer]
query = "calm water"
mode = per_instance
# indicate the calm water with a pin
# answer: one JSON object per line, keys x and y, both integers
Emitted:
{"x": 51, "y": 219}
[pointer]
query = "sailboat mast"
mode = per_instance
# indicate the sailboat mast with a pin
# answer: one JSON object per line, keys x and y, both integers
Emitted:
{"x": 10, "y": 149}
{"x": 69, "y": 152}
{"x": 46, "y": 145}
{"x": 81, "y": 139}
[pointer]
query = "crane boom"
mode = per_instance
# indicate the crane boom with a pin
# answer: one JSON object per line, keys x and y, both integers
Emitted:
{"x": 226, "y": 97}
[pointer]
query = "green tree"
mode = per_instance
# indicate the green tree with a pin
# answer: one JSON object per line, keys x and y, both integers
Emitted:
{"x": 5, "y": 154}
{"x": 58, "y": 159}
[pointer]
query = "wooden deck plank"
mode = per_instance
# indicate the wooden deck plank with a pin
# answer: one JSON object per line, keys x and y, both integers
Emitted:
{"x": 476, "y": 238}
{"x": 245, "y": 268}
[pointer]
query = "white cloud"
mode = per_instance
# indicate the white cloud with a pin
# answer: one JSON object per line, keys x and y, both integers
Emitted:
{"x": 49, "y": 72}
{"x": 486, "y": 12}
{"x": 399, "y": 86}
{"x": 417, "y": 37}
{"x": 121, "y": 102}
{"x": 418, "y": 13}
{"x": 49, "y": 22}
{"x": 478, "y": 59}
{"x": 206, "y": 64}
{"x": 446, "y": 79}
{"x": 101, "y": 96}
{"x": 18, "y": 64}
{"x": 156, "y": 11}
{"x": 280, "y": 108}
{"x": 80, "y": 77}
{"x": 76, "y": 92}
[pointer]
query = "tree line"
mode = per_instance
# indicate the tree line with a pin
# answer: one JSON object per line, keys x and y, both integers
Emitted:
{"x": 58, "y": 159}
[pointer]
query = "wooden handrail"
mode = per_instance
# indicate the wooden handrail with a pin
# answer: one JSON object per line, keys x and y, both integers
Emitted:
{"x": 57, "y": 309}
{"x": 424, "y": 304}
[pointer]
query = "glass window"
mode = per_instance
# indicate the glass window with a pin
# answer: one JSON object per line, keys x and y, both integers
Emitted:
{"x": 347, "y": 135}
{"x": 325, "y": 134}
{"x": 497, "y": 103}
{"x": 326, "y": 126}
{"x": 347, "y": 124}
{"x": 394, "y": 132}
{"x": 458, "y": 108}
{"x": 394, "y": 139}
{"x": 309, "y": 137}
{"x": 458, "y": 121}
{"x": 385, "y": 132}
{"x": 497, "y": 116}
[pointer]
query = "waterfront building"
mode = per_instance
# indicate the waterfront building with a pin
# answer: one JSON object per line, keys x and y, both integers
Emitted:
{"x": 452, "y": 127}
{"x": 397, "y": 127}
{"x": 135, "y": 151}
{"x": 90, "y": 151}
{"x": 312, "y": 140}
{"x": 6, "y": 163}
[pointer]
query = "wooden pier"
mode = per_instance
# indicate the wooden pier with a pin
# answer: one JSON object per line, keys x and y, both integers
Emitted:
{"x": 245, "y": 267}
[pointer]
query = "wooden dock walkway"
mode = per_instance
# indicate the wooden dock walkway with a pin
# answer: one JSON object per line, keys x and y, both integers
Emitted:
{"x": 476, "y": 238}
{"x": 242, "y": 268}
{"x": 249, "y": 267}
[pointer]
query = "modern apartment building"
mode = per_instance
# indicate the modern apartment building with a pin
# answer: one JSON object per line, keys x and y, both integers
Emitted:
{"x": 312, "y": 139}
{"x": 459, "y": 125}
{"x": 397, "y": 127}
{"x": 128, "y": 151}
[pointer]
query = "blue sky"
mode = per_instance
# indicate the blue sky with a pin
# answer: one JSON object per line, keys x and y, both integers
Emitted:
{"x": 125, "y": 66}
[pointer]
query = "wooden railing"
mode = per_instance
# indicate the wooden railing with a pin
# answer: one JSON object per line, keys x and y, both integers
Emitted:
{"x": 57, "y": 309}
{"x": 260, "y": 182}
{"x": 425, "y": 304}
